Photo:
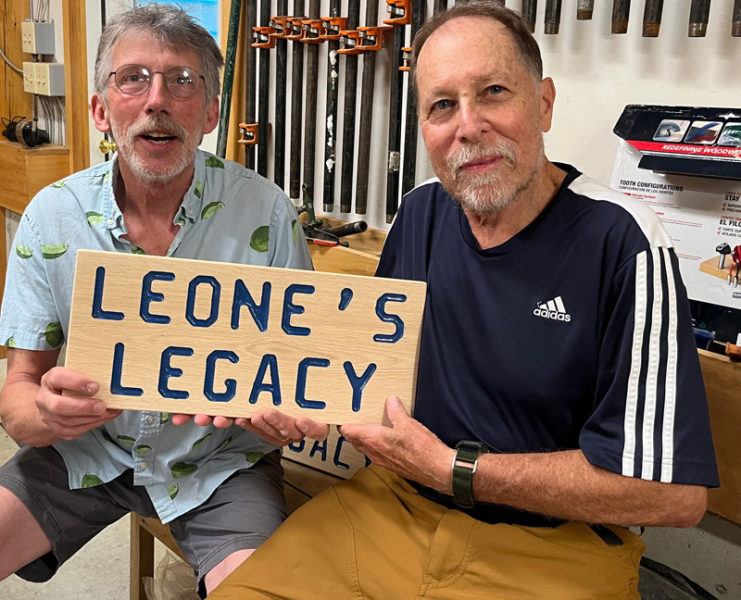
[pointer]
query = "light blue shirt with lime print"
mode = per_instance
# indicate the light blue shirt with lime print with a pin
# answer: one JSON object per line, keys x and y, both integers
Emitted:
{"x": 229, "y": 214}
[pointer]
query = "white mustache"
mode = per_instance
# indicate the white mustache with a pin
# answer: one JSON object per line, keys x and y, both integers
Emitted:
{"x": 471, "y": 152}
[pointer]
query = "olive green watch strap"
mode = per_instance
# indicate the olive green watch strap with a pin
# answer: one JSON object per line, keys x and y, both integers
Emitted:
{"x": 464, "y": 466}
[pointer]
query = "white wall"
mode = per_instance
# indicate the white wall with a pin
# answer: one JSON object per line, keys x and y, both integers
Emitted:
{"x": 596, "y": 74}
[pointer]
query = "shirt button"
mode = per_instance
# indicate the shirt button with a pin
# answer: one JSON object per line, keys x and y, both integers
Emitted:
{"x": 143, "y": 466}
{"x": 150, "y": 420}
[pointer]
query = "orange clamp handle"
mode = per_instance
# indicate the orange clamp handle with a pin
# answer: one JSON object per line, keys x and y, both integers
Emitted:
{"x": 312, "y": 31}
{"x": 349, "y": 42}
{"x": 400, "y": 12}
{"x": 332, "y": 27}
{"x": 371, "y": 38}
{"x": 249, "y": 134}
{"x": 294, "y": 29}
{"x": 279, "y": 25}
{"x": 262, "y": 37}
{"x": 406, "y": 58}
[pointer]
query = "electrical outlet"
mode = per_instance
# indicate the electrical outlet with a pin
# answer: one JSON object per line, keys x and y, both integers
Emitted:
{"x": 37, "y": 37}
{"x": 29, "y": 77}
{"x": 49, "y": 79}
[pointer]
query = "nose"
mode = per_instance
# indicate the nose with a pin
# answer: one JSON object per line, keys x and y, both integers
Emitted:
{"x": 157, "y": 94}
{"x": 472, "y": 123}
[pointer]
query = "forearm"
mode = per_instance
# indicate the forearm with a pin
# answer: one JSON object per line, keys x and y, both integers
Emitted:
{"x": 565, "y": 485}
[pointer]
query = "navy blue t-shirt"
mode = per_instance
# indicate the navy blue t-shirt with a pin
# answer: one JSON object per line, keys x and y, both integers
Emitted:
{"x": 575, "y": 333}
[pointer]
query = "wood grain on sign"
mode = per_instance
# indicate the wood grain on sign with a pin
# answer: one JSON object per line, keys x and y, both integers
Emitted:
{"x": 190, "y": 336}
{"x": 334, "y": 455}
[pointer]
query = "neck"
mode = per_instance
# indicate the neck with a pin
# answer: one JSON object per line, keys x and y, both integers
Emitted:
{"x": 137, "y": 196}
{"x": 496, "y": 228}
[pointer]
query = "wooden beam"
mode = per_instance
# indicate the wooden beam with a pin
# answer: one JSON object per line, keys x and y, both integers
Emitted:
{"x": 14, "y": 100}
{"x": 75, "y": 83}
{"x": 234, "y": 150}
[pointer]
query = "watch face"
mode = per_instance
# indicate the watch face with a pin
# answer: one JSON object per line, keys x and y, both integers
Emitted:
{"x": 470, "y": 446}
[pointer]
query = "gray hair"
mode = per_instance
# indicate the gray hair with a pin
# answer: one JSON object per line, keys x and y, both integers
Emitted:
{"x": 527, "y": 47}
{"x": 169, "y": 25}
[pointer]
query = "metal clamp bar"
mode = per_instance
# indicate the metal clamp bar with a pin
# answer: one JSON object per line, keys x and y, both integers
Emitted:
{"x": 263, "y": 37}
{"x": 249, "y": 134}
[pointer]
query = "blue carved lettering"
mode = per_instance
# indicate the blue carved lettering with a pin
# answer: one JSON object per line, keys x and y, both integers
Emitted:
{"x": 303, "y": 366}
{"x": 320, "y": 447}
{"x": 149, "y": 296}
{"x": 338, "y": 449}
{"x": 167, "y": 371}
{"x": 289, "y": 308}
{"x": 358, "y": 383}
{"x": 98, "y": 312}
{"x": 391, "y": 338}
{"x": 116, "y": 387}
{"x": 259, "y": 312}
{"x": 191, "y": 302}
{"x": 208, "y": 382}
{"x": 345, "y": 297}
{"x": 269, "y": 361}
{"x": 297, "y": 446}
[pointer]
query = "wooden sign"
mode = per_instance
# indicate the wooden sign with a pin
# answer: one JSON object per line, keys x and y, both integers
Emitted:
{"x": 176, "y": 335}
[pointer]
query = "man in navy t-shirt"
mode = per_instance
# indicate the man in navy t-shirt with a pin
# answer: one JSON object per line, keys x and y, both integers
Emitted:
{"x": 559, "y": 395}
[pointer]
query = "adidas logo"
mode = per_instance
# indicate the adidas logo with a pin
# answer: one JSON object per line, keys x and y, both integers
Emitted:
{"x": 553, "y": 309}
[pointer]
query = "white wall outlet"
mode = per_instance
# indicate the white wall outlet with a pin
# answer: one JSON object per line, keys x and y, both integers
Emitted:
{"x": 29, "y": 77}
{"x": 37, "y": 38}
{"x": 50, "y": 79}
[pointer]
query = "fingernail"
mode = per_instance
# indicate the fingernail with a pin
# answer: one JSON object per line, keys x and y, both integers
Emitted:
{"x": 99, "y": 408}
{"x": 91, "y": 388}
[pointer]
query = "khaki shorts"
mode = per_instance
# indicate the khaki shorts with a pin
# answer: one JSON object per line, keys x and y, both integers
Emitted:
{"x": 374, "y": 537}
{"x": 242, "y": 512}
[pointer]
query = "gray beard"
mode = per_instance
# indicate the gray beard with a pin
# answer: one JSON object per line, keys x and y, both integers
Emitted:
{"x": 486, "y": 194}
{"x": 138, "y": 166}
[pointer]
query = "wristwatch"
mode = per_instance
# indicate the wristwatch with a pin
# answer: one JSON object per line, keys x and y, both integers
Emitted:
{"x": 464, "y": 466}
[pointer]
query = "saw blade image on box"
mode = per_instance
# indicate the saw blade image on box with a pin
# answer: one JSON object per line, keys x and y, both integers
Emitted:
{"x": 731, "y": 135}
{"x": 703, "y": 132}
{"x": 671, "y": 130}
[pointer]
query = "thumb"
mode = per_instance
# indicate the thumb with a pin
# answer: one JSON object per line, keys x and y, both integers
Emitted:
{"x": 396, "y": 410}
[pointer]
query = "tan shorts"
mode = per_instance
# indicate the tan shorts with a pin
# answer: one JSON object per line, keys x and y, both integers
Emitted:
{"x": 374, "y": 537}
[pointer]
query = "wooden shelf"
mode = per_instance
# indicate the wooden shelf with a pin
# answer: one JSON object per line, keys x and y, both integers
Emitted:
{"x": 27, "y": 170}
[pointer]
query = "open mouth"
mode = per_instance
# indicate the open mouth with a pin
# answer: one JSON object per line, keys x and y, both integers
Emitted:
{"x": 158, "y": 138}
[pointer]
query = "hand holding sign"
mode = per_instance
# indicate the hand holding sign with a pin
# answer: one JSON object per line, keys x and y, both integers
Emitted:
{"x": 68, "y": 417}
{"x": 407, "y": 448}
{"x": 272, "y": 426}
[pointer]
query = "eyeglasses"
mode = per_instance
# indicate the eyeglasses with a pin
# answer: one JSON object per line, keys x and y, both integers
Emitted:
{"x": 134, "y": 80}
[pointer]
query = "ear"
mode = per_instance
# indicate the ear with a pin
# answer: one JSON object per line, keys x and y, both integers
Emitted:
{"x": 212, "y": 116}
{"x": 99, "y": 112}
{"x": 547, "y": 99}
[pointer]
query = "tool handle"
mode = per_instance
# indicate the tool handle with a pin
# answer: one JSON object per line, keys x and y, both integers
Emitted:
{"x": 529, "y": 10}
{"x": 620, "y": 12}
{"x": 552, "y": 16}
{"x": 652, "y": 17}
{"x": 584, "y": 10}
{"x": 699, "y": 12}
{"x": 348, "y": 228}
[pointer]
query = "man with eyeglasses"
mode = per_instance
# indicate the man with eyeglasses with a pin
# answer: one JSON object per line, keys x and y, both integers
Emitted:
{"x": 83, "y": 466}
